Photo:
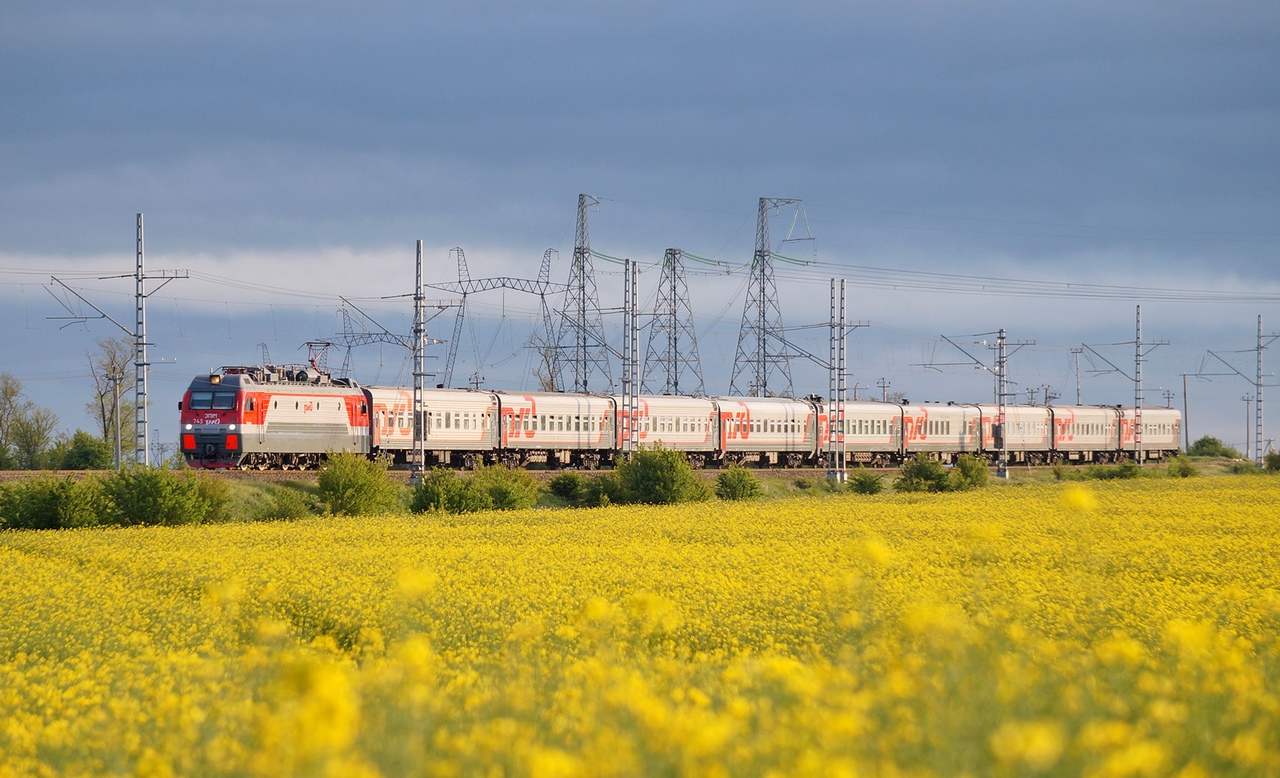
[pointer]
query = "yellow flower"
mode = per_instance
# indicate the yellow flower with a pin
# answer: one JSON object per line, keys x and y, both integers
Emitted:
{"x": 1035, "y": 745}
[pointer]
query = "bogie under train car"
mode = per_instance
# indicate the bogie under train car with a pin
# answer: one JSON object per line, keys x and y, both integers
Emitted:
{"x": 281, "y": 418}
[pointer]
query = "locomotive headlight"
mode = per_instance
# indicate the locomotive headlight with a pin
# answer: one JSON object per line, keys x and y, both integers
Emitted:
{"x": 187, "y": 427}
{"x": 231, "y": 427}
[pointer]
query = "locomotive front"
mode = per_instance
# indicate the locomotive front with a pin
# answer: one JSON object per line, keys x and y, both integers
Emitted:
{"x": 212, "y": 421}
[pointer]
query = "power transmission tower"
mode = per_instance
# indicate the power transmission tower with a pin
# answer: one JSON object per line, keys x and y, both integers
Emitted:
{"x": 582, "y": 332}
{"x": 466, "y": 285}
{"x": 141, "y": 364}
{"x": 673, "y": 344}
{"x": 1258, "y": 385}
{"x": 762, "y": 346}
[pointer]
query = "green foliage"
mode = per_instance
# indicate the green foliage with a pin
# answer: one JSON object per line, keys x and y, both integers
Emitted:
{"x": 1209, "y": 446}
{"x": 737, "y": 483}
{"x": 432, "y": 492}
{"x": 970, "y": 473}
{"x": 659, "y": 476}
{"x": 602, "y": 489}
{"x": 1271, "y": 462}
{"x": 83, "y": 451}
{"x": 866, "y": 482}
{"x": 442, "y": 490}
{"x": 214, "y": 494}
{"x": 152, "y": 496}
{"x": 509, "y": 489}
{"x": 51, "y": 503}
{"x": 1181, "y": 467}
{"x": 353, "y": 485}
{"x": 923, "y": 474}
{"x": 570, "y": 487}
{"x": 284, "y": 504}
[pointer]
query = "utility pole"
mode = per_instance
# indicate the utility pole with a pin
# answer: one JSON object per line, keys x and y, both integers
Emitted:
{"x": 884, "y": 385}
{"x": 1001, "y": 373}
{"x": 838, "y": 386}
{"x": 1258, "y": 386}
{"x": 1248, "y": 401}
{"x": 630, "y": 363}
{"x": 1002, "y": 391}
{"x": 1141, "y": 349}
{"x": 141, "y": 365}
{"x": 419, "y": 375}
{"x": 1076, "y": 353}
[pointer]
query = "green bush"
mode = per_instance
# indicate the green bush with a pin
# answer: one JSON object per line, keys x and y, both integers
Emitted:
{"x": 659, "y": 476}
{"x": 284, "y": 504}
{"x": 737, "y": 483}
{"x": 1271, "y": 462}
{"x": 602, "y": 489}
{"x": 570, "y": 487}
{"x": 151, "y": 496}
{"x": 1181, "y": 467}
{"x": 353, "y": 485}
{"x": 923, "y": 474}
{"x": 51, "y": 503}
{"x": 85, "y": 452}
{"x": 509, "y": 489}
{"x": 215, "y": 496}
{"x": 865, "y": 482}
{"x": 1209, "y": 446}
{"x": 433, "y": 491}
{"x": 442, "y": 490}
{"x": 970, "y": 473}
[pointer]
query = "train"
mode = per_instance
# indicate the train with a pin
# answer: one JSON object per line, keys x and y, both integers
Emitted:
{"x": 281, "y": 418}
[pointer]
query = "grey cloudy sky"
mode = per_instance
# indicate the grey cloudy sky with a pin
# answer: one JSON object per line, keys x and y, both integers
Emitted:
{"x": 306, "y": 145}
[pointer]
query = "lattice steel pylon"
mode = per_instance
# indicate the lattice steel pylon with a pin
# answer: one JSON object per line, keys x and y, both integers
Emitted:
{"x": 672, "y": 354}
{"x": 466, "y": 285}
{"x": 762, "y": 346}
{"x": 581, "y": 337}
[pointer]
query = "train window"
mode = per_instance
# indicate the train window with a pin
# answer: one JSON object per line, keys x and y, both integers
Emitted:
{"x": 577, "y": 424}
{"x": 297, "y": 405}
{"x": 201, "y": 401}
{"x": 248, "y": 404}
{"x": 224, "y": 401}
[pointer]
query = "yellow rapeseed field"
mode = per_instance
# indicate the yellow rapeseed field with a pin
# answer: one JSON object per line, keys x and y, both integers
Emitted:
{"x": 1118, "y": 629}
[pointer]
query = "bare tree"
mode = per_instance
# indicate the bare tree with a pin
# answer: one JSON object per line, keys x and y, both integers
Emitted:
{"x": 113, "y": 380}
{"x": 10, "y": 407}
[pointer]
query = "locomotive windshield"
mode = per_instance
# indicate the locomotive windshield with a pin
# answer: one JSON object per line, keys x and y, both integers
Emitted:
{"x": 218, "y": 401}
